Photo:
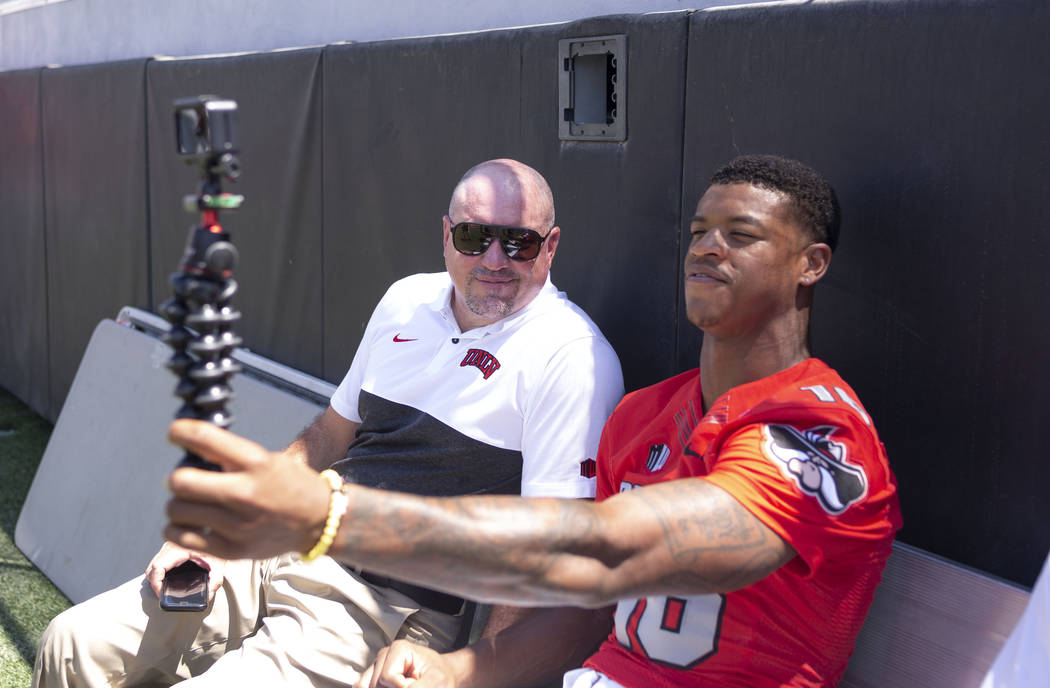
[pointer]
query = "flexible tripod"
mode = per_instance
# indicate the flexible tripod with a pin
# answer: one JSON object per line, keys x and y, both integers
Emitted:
{"x": 199, "y": 311}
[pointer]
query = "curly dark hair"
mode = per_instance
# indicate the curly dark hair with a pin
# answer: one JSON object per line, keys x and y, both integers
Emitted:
{"x": 814, "y": 199}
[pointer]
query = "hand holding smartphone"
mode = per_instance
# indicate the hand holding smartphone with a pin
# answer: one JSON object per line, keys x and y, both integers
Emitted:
{"x": 185, "y": 588}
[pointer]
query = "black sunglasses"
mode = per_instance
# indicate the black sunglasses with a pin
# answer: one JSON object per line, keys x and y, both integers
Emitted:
{"x": 474, "y": 238}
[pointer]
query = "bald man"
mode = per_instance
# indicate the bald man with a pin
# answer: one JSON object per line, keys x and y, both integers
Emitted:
{"x": 483, "y": 379}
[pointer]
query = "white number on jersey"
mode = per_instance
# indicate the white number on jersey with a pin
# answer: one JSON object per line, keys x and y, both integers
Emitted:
{"x": 675, "y": 631}
{"x": 823, "y": 394}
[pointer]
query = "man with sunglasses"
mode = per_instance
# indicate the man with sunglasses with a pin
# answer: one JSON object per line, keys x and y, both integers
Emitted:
{"x": 483, "y": 379}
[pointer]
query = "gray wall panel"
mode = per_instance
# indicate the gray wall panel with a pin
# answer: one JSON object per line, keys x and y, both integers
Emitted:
{"x": 278, "y": 230}
{"x": 929, "y": 118}
{"x": 97, "y": 232}
{"x": 23, "y": 267}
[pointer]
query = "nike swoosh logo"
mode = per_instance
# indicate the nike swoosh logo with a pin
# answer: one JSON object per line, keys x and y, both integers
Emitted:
{"x": 397, "y": 338}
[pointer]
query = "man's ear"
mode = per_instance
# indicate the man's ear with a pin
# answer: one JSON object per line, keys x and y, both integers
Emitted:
{"x": 446, "y": 229}
{"x": 553, "y": 237}
{"x": 816, "y": 259}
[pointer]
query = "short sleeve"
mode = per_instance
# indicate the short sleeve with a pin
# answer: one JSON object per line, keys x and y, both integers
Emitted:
{"x": 344, "y": 400}
{"x": 607, "y": 446}
{"x": 822, "y": 488}
{"x": 580, "y": 386}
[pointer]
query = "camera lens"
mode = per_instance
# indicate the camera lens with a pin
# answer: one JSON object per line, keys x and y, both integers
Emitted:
{"x": 190, "y": 140}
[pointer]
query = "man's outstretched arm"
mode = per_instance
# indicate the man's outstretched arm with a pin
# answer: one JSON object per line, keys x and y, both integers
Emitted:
{"x": 682, "y": 537}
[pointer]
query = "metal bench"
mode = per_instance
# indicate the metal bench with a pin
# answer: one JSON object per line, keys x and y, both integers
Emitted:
{"x": 934, "y": 623}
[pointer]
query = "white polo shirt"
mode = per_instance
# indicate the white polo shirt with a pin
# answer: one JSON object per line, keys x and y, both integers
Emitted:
{"x": 515, "y": 406}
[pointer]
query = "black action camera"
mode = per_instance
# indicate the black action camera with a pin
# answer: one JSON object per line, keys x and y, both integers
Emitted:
{"x": 204, "y": 125}
{"x": 206, "y": 132}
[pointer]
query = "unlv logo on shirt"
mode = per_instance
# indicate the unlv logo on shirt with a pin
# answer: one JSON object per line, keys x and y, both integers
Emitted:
{"x": 482, "y": 360}
{"x": 817, "y": 464}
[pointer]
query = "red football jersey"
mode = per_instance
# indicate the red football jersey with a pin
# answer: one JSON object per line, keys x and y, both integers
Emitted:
{"x": 800, "y": 453}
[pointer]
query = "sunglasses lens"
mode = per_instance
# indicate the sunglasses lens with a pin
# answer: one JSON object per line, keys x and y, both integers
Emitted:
{"x": 473, "y": 238}
{"x": 521, "y": 244}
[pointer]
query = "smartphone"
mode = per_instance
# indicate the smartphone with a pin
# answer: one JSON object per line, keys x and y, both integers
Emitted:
{"x": 185, "y": 588}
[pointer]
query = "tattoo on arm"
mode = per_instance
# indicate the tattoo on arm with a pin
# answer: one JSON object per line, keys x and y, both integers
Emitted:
{"x": 719, "y": 545}
{"x": 502, "y": 549}
{"x": 683, "y": 536}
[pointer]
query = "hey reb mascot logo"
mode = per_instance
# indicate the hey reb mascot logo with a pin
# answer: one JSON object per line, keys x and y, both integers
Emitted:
{"x": 817, "y": 464}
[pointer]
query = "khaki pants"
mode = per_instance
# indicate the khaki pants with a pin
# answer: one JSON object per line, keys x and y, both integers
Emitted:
{"x": 277, "y": 622}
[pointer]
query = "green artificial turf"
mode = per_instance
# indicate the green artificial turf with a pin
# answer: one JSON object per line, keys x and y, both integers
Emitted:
{"x": 28, "y": 600}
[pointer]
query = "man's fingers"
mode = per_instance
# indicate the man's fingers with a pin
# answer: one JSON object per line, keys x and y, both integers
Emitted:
{"x": 203, "y": 527}
{"x": 207, "y": 540}
{"x": 365, "y": 679}
{"x": 432, "y": 679}
{"x": 394, "y": 667}
{"x": 232, "y": 452}
{"x": 407, "y": 664}
{"x": 215, "y": 581}
{"x": 155, "y": 576}
{"x": 187, "y": 537}
{"x": 390, "y": 679}
{"x": 193, "y": 508}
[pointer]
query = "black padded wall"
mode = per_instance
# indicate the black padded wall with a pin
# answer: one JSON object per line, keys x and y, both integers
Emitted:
{"x": 278, "y": 230}
{"x": 95, "y": 199}
{"x": 23, "y": 266}
{"x": 930, "y": 119}
{"x": 404, "y": 119}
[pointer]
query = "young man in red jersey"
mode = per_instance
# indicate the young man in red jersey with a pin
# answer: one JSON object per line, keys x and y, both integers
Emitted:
{"x": 745, "y": 509}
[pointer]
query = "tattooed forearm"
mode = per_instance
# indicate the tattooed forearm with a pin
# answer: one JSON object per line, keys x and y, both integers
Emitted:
{"x": 716, "y": 524}
{"x": 526, "y": 549}
{"x": 715, "y": 543}
{"x": 683, "y": 536}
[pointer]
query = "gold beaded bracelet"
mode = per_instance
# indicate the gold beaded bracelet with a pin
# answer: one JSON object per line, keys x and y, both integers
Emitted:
{"x": 336, "y": 506}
